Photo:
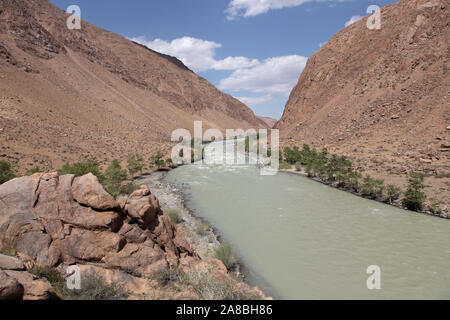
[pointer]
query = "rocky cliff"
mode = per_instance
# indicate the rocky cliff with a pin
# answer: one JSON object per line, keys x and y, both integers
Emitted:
{"x": 52, "y": 221}
{"x": 380, "y": 96}
{"x": 89, "y": 92}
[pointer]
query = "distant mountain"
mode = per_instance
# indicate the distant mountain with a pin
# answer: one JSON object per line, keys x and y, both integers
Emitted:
{"x": 380, "y": 97}
{"x": 269, "y": 121}
{"x": 89, "y": 92}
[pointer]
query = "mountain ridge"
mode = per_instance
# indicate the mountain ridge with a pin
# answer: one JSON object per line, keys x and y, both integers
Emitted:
{"x": 71, "y": 94}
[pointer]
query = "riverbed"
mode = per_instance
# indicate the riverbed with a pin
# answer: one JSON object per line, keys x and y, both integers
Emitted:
{"x": 300, "y": 239}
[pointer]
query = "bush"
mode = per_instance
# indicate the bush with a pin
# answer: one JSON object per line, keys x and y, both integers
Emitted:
{"x": 392, "y": 193}
{"x": 372, "y": 188}
{"x": 81, "y": 168}
{"x": 414, "y": 195}
{"x": 435, "y": 207}
{"x": 113, "y": 177}
{"x": 167, "y": 276}
{"x": 209, "y": 287}
{"x": 53, "y": 276}
{"x": 135, "y": 164}
{"x": 201, "y": 228}
{"x": 225, "y": 254}
{"x": 32, "y": 171}
{"x": 285, "y": 166}
{"x": 157, "y": 160}
{"x": 6, "y": 172}
{"x": 94, "y": 287}
{"x": 175, "y": 216}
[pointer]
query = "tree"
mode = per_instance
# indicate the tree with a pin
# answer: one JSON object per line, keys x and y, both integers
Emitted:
{"x": 113, "y": 177}
{"x": 392, "y": 193}
{"x": 135, "y": 164}
{"x": 414, "y": 195}
{"x": 157, "y": 160}
{"x": 6, "y": 172}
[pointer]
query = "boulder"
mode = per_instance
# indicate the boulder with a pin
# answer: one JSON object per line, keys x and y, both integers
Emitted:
{"x": 86, "y": 245}
{"x": 34, "y": 288}
{"x": 138, "y": 259}
{"x": 10, "y": 288}
{"x": 10, "y": 263}
{"x": 87, "y": 191}
{"x": 142, "y": 207}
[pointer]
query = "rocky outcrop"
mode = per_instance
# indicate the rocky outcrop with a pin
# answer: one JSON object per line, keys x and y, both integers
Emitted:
{"x": 49, "y": 219}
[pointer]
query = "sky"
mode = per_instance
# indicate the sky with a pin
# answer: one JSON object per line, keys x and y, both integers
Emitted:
{"x": 254, "y": 50}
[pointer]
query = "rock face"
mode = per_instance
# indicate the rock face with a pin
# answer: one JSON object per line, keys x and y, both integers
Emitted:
{"x": 10, "y": 288}
{"x": 50, "y": 219}
{"x": 378, "y": 96}
{"x": 83, "y": 91}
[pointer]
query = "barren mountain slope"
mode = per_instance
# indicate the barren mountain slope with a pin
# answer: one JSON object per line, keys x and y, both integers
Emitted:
{"x": 381, "y": 96}
{"x": 70, "y": 93}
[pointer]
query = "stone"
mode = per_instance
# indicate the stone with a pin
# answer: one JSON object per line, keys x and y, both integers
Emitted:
{"x": 138, "y": 259}
{"x": 142, "y": 207}
{"x": 87, "y": 191}
{"x": 10, "y": 288}
{"x": 10, "y": 263}
{"x": 34, "y": 288}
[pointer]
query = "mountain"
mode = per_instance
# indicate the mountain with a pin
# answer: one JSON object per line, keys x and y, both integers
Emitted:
{"x": 380, "y": 96}
{"x": 67, "y": 94}
{"x": 269, "y": 121}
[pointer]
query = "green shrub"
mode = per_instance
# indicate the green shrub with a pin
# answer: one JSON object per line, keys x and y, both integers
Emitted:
{"x": 175, "y": 216}
{"x": 94, "y": 287}
{"x": 201, "y": 228}
{"x": 392, "y": 193}
{"x": 414, "y": 195}
{"x": 285, "y": 166}
{"x": 372, "y": 188}
{"x": 53, "y": 276}
{"x": 81, "y": 168}
{"x": 113, "y": 177}
{"x": 6, "y": 172}
{"x": 225, "y": 254}
{"x": 157, "y": 160}
{"x": 135, "y": 164}
{"x": 32, "y": 171}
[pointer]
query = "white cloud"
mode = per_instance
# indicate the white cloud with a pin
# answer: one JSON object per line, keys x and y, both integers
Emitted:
{"x": 250, "y": 8}
{"x": 274, "y": 75}
{"x": 353, "y": 20}
{"x": 197, "y": 54}
{"x": 255, "y": 100}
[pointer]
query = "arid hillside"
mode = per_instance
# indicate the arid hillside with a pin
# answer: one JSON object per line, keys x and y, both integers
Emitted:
{"x": 66, "y": 94}
{"x": 381, "y": 96}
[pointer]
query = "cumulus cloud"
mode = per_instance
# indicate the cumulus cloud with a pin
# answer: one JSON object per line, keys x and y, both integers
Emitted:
{"x": 274, "y": 75}
{"x": 353, "y": 19}
{"x": 255, "y": 100}
{"x": 197, "y": 54}
{"x": 250, "y": 8}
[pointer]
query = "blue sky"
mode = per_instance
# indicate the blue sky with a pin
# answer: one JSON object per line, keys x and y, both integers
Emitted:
{"x": 254, "y": 50}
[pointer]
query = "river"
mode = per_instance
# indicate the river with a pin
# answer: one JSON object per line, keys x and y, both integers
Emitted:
{"x": 300, "y": 239}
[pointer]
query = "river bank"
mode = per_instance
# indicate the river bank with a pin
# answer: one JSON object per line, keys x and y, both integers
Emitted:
{"x": 444, "y": 215}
